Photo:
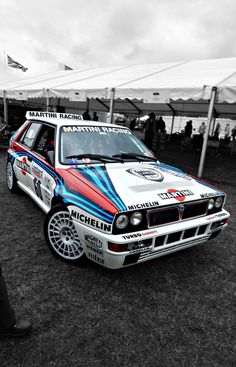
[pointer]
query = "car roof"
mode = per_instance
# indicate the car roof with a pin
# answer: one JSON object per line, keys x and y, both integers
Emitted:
{"x": 65, "y": 119}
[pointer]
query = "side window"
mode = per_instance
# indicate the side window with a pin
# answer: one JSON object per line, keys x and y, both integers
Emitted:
{"x": 30, "y": 134}
{"x": 45, "y": 141}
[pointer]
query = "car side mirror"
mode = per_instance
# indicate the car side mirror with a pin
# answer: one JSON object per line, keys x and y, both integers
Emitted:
{"x": 51, "y": 157}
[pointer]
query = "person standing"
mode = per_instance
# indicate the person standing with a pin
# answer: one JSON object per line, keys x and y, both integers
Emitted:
{"x": 202, "y": 128}
{"x": 217, "y": 131}
{"x": 227, "y": 130}
{"x": 132, "y": 124}
{"x": 161, "y": 125}
{"x": 233, "y": 132}
{"x": 86, "y": 115}
{"x": 150, "y": 130}
{"x": 95, "y": 116}
{"x": 188, "y": 129}
{"x": 8, "y": 324}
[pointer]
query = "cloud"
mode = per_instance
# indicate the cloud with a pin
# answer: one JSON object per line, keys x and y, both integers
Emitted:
{"x": 46, "y": 33}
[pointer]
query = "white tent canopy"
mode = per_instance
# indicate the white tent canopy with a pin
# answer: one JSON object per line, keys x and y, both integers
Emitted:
{"x": 168, "y": 88}
{"x": 183, "y": 88}
{"x": 186, "y": 80}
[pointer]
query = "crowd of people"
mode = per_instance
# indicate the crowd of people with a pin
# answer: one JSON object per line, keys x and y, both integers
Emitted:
{"x": 155, "y": 132}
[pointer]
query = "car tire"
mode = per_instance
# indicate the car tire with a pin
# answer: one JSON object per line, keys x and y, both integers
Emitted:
{"x": 11, "y": 178}
{"x": 61, "y": 236}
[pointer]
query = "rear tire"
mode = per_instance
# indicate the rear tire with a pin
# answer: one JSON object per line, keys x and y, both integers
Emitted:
{"x": 11, "y": 178}
{"x": 61, "y": 236}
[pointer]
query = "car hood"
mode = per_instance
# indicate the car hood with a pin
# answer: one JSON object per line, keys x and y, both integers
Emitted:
{"x": 133, "y": 186}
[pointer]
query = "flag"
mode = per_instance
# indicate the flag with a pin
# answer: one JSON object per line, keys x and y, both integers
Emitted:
{"x": 66, "y": 67}
{"x": 14, "y": 64}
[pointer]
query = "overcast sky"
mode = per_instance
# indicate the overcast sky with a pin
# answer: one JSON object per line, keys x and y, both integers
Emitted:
{"x": 44, "y": 35}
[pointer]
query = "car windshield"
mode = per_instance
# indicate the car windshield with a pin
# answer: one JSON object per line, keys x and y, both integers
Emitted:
{"x": 100, "y": 142}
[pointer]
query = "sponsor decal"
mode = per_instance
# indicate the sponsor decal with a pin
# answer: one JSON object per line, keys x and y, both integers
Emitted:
{"x": 179, "y": 195}
{"x": 37, "y": 171}
{"x": 144, "y": 249}
{"x": 97, "y": 129}
{"x": 23, "y": 165}
{"x": 96, "y": 258}
{"x": 47, "y": 197}
{"x": 221, "y": 215}
{"x": 48, "y": 183}
{"x": 54, "y": 115}
{"x": 137, "y": 235}
{"x": 140, "y": 246}
{"x": 115, "y": 130}
{"x": 209, "y": 195}
{"x": 151, "y": 174}
{"x": 48, "y": 202}
{"x": 143, "y": 205}
{"x": 95, "y": 250}
{"x": 93, "y": 241}
{"x": 91, "y": 222}
{"x": 176, "y": 173}
{"x": 212, "y": 217}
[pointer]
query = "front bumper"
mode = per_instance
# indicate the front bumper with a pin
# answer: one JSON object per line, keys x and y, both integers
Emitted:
{"x": 151, "y": 243}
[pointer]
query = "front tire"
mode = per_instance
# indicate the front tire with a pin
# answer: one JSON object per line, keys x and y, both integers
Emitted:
{"x": 61, "y": 236}
{"x": 11, "y": 178}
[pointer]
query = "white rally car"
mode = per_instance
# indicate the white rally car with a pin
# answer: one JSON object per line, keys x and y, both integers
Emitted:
{"x": 106, "y": 196}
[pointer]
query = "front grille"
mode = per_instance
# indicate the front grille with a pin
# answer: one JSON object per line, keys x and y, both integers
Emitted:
{"x": 195, "y": 210}
{"x": 190, "y": 233}
{"x": 163, "y": 216}
{"x": 177, "y": 213}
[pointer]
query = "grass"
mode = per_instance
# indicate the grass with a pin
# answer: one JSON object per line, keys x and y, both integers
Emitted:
{"x": 178, "y": 310}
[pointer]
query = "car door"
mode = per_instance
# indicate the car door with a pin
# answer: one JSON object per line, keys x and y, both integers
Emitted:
{"x": 22, "y": 163}
{"x": 42, "y": 182}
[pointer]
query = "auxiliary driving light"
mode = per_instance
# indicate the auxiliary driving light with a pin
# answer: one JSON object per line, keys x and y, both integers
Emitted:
{"x": 219, "y": 202}
{"x": 136, "y": 218}
{"x": 122, "y": 221}
{"x": 211, "y": 204}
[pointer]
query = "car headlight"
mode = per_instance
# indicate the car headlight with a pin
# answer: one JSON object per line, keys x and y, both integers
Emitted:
{"x": 136, "y": 218}
{"x": 211, "y": 204}
{"x": 122, "y": 221}
{"x": 219, "y": 202}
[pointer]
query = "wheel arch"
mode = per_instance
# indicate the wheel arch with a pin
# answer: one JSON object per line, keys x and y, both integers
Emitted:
{"x": 57, "y": 200}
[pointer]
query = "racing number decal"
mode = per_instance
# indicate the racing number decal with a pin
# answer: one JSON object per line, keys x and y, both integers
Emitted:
{"x": 37, "y": 187}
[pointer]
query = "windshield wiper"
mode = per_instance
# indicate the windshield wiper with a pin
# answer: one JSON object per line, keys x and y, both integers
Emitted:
{"x": 139, "y": 157}
{"x": 99, "y": 157}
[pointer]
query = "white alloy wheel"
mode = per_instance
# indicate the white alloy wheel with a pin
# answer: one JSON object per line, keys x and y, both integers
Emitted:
{"x": 63, "y": 237}
{"x": 11, "y": 178}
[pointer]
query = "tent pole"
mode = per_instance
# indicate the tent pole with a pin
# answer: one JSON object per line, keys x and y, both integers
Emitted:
{"x": 112, "y": 97}
{"x": 47, "y": 100}
{"x": 209, "y": 118}
{"x": 87, "y": 103}
{"x": 5, "y": 107}
{"x": 213, "y": 127}
{"x": 173, "y": 119}
{"x": 172, "y": 124}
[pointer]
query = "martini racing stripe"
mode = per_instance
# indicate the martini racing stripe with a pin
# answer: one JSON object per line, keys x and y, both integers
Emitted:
{"x": 174, "y": 169}
{"x": 85, "y": 204}
{"x": 40, "y": 163}
{"x": 66, "y": 194}
{"x": 208, "y": 185}
{"x": 105, "y": 219}
{"x": 100, "y": 178}
{"x": 77, "y": 183}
